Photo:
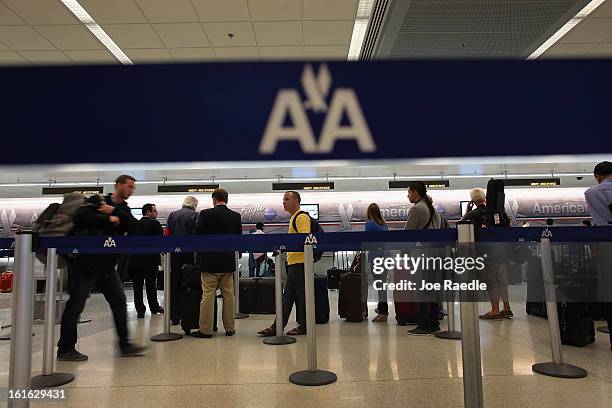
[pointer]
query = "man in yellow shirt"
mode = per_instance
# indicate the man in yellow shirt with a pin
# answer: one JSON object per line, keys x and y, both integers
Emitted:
{"x": 294, "y": 285}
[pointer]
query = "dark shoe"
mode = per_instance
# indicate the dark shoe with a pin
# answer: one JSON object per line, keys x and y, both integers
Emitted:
{"x": 419, "y": 331}
{"x": 230, "y": 333}
{"x": 507, "y": 314}
{"x": 132, "y": 351}
{"x": 267, "y": 332}
{"x": 491, "y": 316}
{"x": 140, "y": 315}
{"x": 298, "y": 331}
{"x": 71, "y": 355}
{"x": 200, "y": 335}
{"x": 159, "y": 310}
{"x": 175, "y": 322}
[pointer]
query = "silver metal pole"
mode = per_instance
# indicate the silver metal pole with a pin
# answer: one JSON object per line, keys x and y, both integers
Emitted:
{"x": 279, "y": 339}
{"x": 556, "y": 368}
{"x": 51, "y": 283}
{"x": 48, "y": 378}
{"x": 167, "y": 335}
{"x": 238, "y": 314}
{"x": 311, "y": 328}
{"x": 167, "y": 292}
{"x": 312, "y": 376}
{"x": 20, "y": 369}
{"x": 470, "y": 335}
{"x": 450, "y": 308}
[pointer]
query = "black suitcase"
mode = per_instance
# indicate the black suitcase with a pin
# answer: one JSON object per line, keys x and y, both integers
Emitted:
{"x": 321, "y": 300}
{"x": 264, "y": 291}
{"x": 190, "y": 305}
{"x": 575, "y": 324}
{"x": 248, "y": 295}
{"x": 333, "y": 278}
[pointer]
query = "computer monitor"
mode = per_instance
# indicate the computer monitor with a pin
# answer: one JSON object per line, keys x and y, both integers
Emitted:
{"x": 136, "y": 212}
{"x": 311, "y": 209}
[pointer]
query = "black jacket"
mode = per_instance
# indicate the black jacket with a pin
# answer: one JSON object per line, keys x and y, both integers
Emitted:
{"x": 218, "y": 220}
{"x": 89, "y": 221}
{"x": 128, "y": 224}
{"x": 147, "y": 226}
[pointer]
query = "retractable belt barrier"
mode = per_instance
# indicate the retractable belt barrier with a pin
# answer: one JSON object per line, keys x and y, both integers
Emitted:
{"x": 26, "y": 244}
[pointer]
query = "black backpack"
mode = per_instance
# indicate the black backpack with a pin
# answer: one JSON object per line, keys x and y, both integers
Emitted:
{"x": 315, "y": 227}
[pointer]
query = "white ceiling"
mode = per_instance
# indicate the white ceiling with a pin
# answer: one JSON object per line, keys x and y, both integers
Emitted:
{"x": 44, "y": 32}
{"x": 591, "y": 38}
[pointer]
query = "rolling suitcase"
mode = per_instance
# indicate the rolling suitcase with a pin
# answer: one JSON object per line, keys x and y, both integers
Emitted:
{"x": 265, "y": 301}
{"x": 191, "y": 297}
{"x": 321, "y": 300}
{"x": 248, "y": 295}
{"x": 406, "y": 311}
{"x": 575, "y": 324}
{"x": 333, "y": 274}
{"x": 6, "y": 282}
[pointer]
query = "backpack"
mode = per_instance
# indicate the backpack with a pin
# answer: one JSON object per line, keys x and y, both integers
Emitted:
{"x": 57, "y": 220}
{"x": 315, "y": 227}
{"x": 495, "y": 215}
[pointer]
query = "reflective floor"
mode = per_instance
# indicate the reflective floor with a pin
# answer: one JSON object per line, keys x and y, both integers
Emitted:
{"x": 378, "y": 365}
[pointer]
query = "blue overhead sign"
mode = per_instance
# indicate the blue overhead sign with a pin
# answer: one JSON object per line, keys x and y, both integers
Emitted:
{"x": 301, "y": 111}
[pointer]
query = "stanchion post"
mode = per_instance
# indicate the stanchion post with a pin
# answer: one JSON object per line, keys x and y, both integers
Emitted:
{"x": 238, "y": 313}
{"x": 451, "y": 333}
{"x": 470, "y": 335}
{"x": 556, "y": 368}
{"x": 313, "y": 376}
{"x": 48, "y": 378}
{"x": 280, "y": 338}
{"x": 167, "y": 335}
{"x": 20, "y": 369}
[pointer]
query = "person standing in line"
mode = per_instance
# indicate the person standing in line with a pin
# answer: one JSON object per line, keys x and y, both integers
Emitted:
{"x": 180, "y": 222}
{"x": 108, "y": 216}
{"x": 144, "y": 267}
{"x": 421, "y": 216}
{"x": 294, "y": 292}
{"x": 599, "y": 202}
{"x": 260, "y": 257}
{"x": 476, "y": 215}
{"x": 217, "y": 267}
{"x": 375, "y": 223}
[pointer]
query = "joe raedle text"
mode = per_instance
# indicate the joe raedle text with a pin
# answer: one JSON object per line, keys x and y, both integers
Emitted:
{"x": 447, "y": 285}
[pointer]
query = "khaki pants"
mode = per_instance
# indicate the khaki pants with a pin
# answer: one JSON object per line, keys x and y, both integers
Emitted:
{"x": 210, "y": 281}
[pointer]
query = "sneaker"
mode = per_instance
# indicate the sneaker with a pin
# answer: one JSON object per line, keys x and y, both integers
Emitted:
{"x": 507, "y": 314}
{"x": 71, "y": 355}
{"x": 133, "y": 351}
{"x": 418, "y": 331}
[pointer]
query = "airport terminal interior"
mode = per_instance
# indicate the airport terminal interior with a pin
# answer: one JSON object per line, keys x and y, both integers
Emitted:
{"x": 377, "y": 363}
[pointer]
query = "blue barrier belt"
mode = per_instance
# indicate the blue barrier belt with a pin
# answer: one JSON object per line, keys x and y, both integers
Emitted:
{"x": 329, "y": 241}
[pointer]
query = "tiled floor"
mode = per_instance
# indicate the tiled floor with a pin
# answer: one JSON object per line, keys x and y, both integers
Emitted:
{"x": 378, "y": 365}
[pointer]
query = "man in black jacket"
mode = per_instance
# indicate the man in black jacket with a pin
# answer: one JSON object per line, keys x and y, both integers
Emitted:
{"x": 144, "y": 268}
{"x": 217, "y": 267}
{"x": 107, "y": 216}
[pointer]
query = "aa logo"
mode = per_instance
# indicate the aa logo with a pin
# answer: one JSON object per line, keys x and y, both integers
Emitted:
{"x": 547, "y": 233}
{"x": 75, "y": 251}
{"x": 110, "y": 243}
{"x": 343, "y": 104}
{"x": 310, "y": 240}
{"x": 13, "y": 245}
{"x": 177, "y": 249}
